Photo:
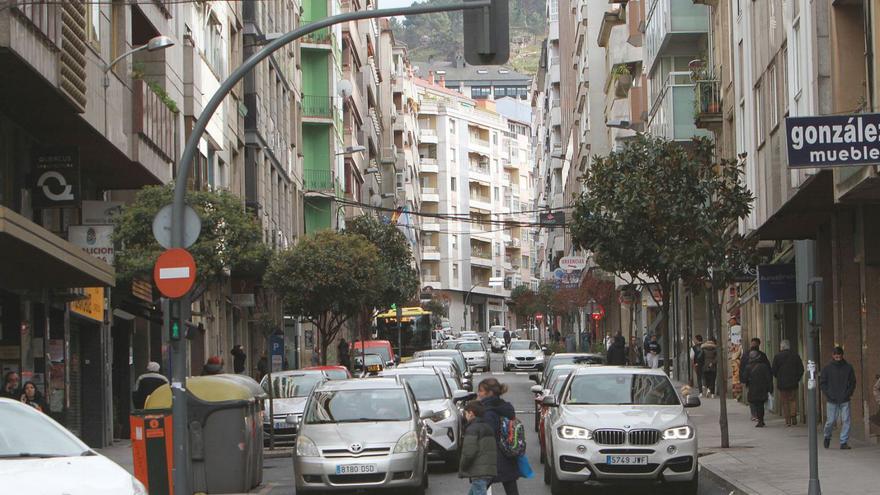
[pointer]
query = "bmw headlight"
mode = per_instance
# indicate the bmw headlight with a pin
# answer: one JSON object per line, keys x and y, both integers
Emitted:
{"x": 305, "y": 447}
{"x": 539, "y": 357}
{"x": 680, "y": 433}
{"x": 409, "y": 442}
{"x": 441, "y": 415}
{"x": 137, "y": 488}
{"x": 574, "y": 433}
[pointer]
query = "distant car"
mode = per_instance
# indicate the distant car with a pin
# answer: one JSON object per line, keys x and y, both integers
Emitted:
{"x": 617, "y": 425}
{"x": 433, "y": 393}
{"x": 523, "y": 355}
{"x": 333, "y": 372}
{"x": 496, "y": 340}
{"x": 581, "y": 358}
{"x": 447, "y": 367}
{"x": 38, "y": 455}
{"x": 469, "y": 336}
{"x": 476, "y": 355}
{"x": 368, "y": 364}
{"x": 360, "y": 434}
{"x": 290, "y": 390}
{"x": 380, "y": 347}
{"x": 453, "y": 353}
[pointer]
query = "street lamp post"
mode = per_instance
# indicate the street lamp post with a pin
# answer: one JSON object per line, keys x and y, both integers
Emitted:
{"x": 466, "y": 298}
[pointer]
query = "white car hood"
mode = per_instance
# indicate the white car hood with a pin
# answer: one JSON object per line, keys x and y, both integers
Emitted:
{"x": 294, "y": 405}
{"x": 90, "y": 475}
{"x": 624, "y": 417}
{"x": 341, "y": 435}
{"x": 523, "y": 353}
{"x": 474, "y": 354}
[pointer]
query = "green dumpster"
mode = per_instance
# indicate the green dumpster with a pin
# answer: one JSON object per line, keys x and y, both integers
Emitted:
{"x": 225, "y": 431}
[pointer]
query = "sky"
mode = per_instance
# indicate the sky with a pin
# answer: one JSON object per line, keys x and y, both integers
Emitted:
{"x": 384, "y": 4}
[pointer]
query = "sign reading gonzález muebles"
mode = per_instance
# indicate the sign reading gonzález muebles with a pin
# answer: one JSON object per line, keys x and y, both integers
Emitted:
{"x": 833, "y": 140}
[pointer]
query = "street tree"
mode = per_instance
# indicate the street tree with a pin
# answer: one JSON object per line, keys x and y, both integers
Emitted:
{"x": 642, "y": 214}
{"x": 230, "y": 240}
{"x": 522, "y": 301}
{"x": 438, "y": 305}
{"x": 326, "y": 279}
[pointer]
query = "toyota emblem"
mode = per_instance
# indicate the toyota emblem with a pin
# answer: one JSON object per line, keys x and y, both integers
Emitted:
{"x": 626, "y": 426}
{"x": 356, "y": 448}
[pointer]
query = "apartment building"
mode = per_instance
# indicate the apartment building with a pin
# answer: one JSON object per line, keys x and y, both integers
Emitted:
{"x": 478, "y": 82}
{"x": 474, "y": 176}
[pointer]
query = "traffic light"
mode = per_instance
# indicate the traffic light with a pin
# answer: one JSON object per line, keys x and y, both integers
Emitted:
{"x": 175, "y": 323}
{"x": 487, "y": 34}
{"x": 814, "y": 305}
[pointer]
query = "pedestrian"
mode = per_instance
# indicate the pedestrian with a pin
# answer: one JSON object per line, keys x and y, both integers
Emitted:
{"x": 479, "y": 453}
{"x": 146, "y": 384}
{"x": 760, "y": 385}
{"x": 707, "y": 363}
{"x": 875, "y": 418}
{"x": 214, "y": 366}
{"x": 489, "y": 393}
{"x": 11, "y": 388}
{"x": 238, "y": 359}
{"x": 634, "y": 353}
{"x": 838, "y": 382}
{"x": 645, "y": 342}
{"x": 616, "y": 355}
{"x": 262, "y": 366}
{"x": 788, "y": 370}
{"x": 652, "y": 351}
{"x": 32, "y": 397}
{"x": 507, "y": 338}
{"x": 342, "y": 352}
{"x": 755, "y": 345}
{"x": 696, "y": 351}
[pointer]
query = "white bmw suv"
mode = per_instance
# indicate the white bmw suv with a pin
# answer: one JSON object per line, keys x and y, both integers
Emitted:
{"x": 614, "y": 424}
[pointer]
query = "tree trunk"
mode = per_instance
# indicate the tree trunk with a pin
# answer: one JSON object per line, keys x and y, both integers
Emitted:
{"x": 721, "y": 378}
{"x": 664, "y": 322}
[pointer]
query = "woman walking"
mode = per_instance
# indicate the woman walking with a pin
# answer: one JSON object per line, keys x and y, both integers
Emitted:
{"x": 707, "y": 361}
{"x": 760, "y": 385}
{"x": 489, "y": 393}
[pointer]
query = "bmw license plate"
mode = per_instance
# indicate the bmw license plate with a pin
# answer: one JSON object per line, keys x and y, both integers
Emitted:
{"x": 281, "y": 425}
{"x": 627, "y": 460}
{"x": 355, "y": 468}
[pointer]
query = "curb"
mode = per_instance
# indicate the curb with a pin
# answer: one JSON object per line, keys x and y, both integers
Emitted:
{"x": 277, "y": 453}
{"x": 735, "y": 488}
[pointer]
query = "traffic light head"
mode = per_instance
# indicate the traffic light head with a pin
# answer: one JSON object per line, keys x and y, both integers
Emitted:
{"x": 814, "y": 305}
{"x": 487, "y": 33}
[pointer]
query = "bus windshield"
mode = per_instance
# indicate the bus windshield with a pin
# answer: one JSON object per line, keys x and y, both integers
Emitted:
{"x": 414, "y": 334}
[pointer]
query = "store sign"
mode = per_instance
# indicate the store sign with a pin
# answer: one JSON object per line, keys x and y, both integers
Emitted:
{"x": 777, "y": 283}
{"x": 833, "y": 140}
{"x": 552, "y": 219}
{"x": 573, "y": 262}
{"x": 97, "y": 240}
{"x": 100, "y": 212}
{"x": 55, "y": 176}
{"x": 92, "y": 305}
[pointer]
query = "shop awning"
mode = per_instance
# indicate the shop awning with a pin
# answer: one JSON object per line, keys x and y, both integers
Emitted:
{"x": 801, "y": 216}
{"x": 34, "y": 258}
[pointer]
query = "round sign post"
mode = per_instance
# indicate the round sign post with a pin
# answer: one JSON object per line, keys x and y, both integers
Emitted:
{"x": 174, "y": 273}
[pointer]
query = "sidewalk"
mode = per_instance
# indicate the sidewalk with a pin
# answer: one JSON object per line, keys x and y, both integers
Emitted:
{"x": 120, "y": 453}
{"x": 775, "y": 460}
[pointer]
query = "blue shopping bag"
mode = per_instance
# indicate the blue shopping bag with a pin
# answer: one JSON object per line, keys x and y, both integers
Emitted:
{"x": 525, "y": 470}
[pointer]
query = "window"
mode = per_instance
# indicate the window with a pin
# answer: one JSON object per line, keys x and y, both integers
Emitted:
{"x": 759, "y": 115}
{"x": 452, "y": 126}
{"x": 774, "y": 97}
{"x": 455, "y": 273}
{"x": 497, "y": 246}
{"x": 740, "y": 70}
{"x": 452, "y": 183}
{"x": 497, "y": 195}
{"x": 785, "y": 79}
{"x": 480, "y": 92}
{"x": 495, "y": 138}
{"x": 452, "y": 154}
{"x": 796, "y": 59}
{"x": 454, "y": 241}
{"x": 93, "y": 25}
{"x": 213, "y": 40}
{"x": 398, "y": 180}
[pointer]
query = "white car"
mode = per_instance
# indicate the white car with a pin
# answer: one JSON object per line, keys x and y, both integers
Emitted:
{"x": 469, "y": 336}
{"x": 290, "y": 391}
{"x": 523, "y": 355}
{"x": 620, "y": 425}
{"x": 496, "y": 340}
{"x": 39, "y": 456}
{"x": 476, "y": 355}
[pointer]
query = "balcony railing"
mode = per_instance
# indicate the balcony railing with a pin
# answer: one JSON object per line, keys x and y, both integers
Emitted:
{"x": 707, "y": 106}
{"x": 478, "y": 141}
{"x": 322, "y": 36}
{"x": 480, "y": 198}
{"x": 317, "y": 106}
{"x": 672, "y": 111}
{"x": 428, "y": 248}
{"x": 152, "y": 119}
{"x": 431, "y": 278}
{"x": 319, "y": 179}
{"x": 429, "y": 190}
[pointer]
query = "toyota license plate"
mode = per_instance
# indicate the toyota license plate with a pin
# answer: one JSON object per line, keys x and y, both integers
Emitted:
{"x": 627, "y": 460}
{"x": 355, "y": 468}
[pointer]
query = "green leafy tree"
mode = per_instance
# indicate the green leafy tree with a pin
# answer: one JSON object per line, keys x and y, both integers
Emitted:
{"x": 230, "y": 238}
{"x": 326, "y": 279}
{"x": 648, "y": 209}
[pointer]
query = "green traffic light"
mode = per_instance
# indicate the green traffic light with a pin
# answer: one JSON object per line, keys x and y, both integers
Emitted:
{"x": 175, "y": 330}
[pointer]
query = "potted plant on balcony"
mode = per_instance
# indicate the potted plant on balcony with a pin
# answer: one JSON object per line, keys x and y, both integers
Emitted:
{"x": 623, "y": 80}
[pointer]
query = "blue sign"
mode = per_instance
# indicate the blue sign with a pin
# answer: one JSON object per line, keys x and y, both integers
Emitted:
{"x": 833, "y": 140}
{"x": 276, "y": 351}
{"x": 777, "y": 283}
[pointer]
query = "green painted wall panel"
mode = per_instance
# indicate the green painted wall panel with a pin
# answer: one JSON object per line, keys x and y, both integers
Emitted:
{"x": 318, "y": 214}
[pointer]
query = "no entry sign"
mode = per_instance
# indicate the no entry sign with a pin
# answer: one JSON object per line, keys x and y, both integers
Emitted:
{"x": 174, "y": 273}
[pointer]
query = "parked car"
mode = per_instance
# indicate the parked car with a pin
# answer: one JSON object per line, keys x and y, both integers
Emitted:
{"x": 542, "y": 389}
{"x": 446, "y": 366}
{"x": 496, "y": 340}
{"x": 469, "y": 336}
{"x": 544, "y": 413}
{"x": 333, "y": 372}
{"x": 380, "y": 347}
{"x": 620, "y": 425}
{"x": 290, "y": 390}
{"x": 523, "y": 355}
{"x": 362, "y": 434}
{"x": 476, "y": 355}
{"x": 581, "y": 358}
{"x": 38, "y": 455}
{"x": 433, "y": 393}
{"x": 453, "y": 353}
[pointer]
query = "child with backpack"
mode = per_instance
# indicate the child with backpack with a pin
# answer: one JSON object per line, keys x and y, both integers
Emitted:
{"x": 500, "y": 413}
{"x": 478, "y": 452}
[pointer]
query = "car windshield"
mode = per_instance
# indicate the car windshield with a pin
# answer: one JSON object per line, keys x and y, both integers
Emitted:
{"x": 358, "y": 406}
{"x": 575, "y": 359}
{"x": 382, "y": 351}
{"x": 336, "y": 374}
{"x": 28, "y": 433}
{"x": 622, "y": 389}
{"x": 425, "y": 387}
{"x": 369, "y": 359}
{"x": 520, "y": 345}
{"x": 470, "y": 347}
{"x": 555, "y": 372}
{"x": 287, "y": 386}
{"x": 498, "y": 333}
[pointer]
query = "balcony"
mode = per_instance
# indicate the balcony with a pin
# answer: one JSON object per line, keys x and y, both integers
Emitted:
{"x": 429, "y": 165}
{"x": 430, "y": 195}
{"x": 320, "y": 180}
{"x": 478, "y": 142}
{"x": 430, "y": 277}
{"x": 677, "y": 25}
{"x": 428, "y": 135}
{"x": 481, "y": 201}
{"x": 322, "y": 36}
{"x": 153, "y": 120}
{"x": 482, "y": 257}
{"x": 430, "y": 225}
{"x": 320, "y": 107}
{"x": 672, "y": 113}
{"x": 430, "y": 253}
{"x": 708, "y": 105}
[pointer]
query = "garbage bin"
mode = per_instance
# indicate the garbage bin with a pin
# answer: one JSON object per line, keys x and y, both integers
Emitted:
{"x": 225, "y": 431}
{"x": 151, "y": 449}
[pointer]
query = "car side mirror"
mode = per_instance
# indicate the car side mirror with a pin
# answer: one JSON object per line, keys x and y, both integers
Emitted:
{"x": 536, "y": 389}
{"x": 468, "y": 374}
{"x": 692, "y": 401}
{"x": 425, "y": 414}
{"x": 290, "y": 419}
{"x": 533, "y": 377}
{"x": 462, "y": 395}
{"x": 546, "y": 350}
{"x": 549, "y": 401}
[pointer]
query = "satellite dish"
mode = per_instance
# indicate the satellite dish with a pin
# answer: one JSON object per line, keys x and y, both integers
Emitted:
{"x": 375, "y": 200}
{"x": 345, "y": 88}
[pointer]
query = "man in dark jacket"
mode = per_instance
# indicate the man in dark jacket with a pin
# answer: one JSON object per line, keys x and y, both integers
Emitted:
{"x": 343, "y": 353}
{"x": 696, "y": 352}
{"x": 11, "y": 388}
{"x": 146, "y": 384}
{"x": 838, "y": 382}
{"x": 744, "y": 367}
{"x": 788, "y": 370}
{"x": 507, "y": 337}
{"x": 760, "y": 385}
{"x": 238, "y": 358}
{"x": 616, "y": 355}
{"x": 478, "y": 450}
